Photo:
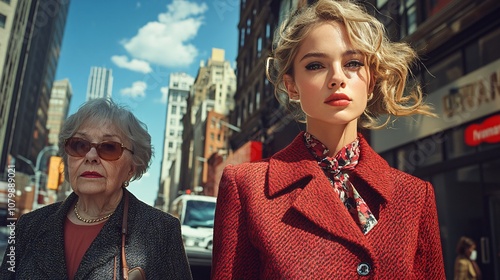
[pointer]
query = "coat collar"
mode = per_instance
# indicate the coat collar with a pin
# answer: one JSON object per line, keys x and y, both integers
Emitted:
{"x": 297, "y": 163}
{"x": 295, "y": 167}
{"x": 49, "y": 243}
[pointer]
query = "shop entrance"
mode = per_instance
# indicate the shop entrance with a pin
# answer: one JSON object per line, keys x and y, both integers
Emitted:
{"x": 494, "y": 256}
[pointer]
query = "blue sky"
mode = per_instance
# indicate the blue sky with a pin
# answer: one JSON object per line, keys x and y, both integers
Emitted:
{"x": 143, "y": 42}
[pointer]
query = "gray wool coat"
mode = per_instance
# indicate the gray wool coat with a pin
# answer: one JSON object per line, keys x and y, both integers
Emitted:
{"x": 154, "y": 243}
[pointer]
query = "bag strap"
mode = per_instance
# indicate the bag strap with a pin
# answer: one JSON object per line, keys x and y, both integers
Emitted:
{"x": 124, "y": 234}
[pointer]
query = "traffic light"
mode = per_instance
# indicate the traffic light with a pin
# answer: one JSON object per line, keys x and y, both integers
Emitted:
{"x": 56, "y": 173}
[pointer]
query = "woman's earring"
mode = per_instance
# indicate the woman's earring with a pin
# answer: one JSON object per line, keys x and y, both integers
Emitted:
{"x": 125, "y": 184}
{"x": 370, "y": 96}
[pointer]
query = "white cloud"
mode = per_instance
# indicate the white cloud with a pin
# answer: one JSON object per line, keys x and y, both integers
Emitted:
{"x": 136, "y": 65}
{"x": 138, "y": 89}
{"x": 166, "y": 42}
{"x": 164, "y": 95}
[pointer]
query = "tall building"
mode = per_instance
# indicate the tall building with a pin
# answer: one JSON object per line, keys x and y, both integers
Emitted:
{"x": 257, "y": 112}
{"x": 7, "y": 12}
{"x": 28, "y": 70}
{"x": 58, "y": 112}
{"x": 212, "y": 99}
{"x": 58, "y": 108}
{"x": 100, "y": 83}
{"x": 179, "y": 89}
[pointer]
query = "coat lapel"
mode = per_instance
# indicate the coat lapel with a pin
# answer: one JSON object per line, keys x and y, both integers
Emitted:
{"x": 105, "y": 247}
{"x": 50, "y": 242}
{"x": 374, "y": 170}
{"x": 295, "y": 167}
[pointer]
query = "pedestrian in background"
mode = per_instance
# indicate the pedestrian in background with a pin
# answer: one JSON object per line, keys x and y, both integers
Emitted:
{"x": 328, "y": 206}
{"x": 466, "y": 267}
{"x": 100, "y": 227}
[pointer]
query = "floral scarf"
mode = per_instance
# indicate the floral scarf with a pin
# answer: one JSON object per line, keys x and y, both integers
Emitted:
{"x": 337, "y": 170}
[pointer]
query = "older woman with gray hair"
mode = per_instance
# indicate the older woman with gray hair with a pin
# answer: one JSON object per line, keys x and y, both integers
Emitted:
{"x": 101, "y": 230}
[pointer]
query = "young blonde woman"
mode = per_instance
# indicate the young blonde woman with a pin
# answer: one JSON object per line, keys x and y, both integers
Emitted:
{"x": 327, "y": 206}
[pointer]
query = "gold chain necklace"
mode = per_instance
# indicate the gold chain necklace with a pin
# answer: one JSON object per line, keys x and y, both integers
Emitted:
{"x": 90, "y": 221}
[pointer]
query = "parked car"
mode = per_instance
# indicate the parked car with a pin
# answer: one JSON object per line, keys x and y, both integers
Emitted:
{"x": 196, "y": 214}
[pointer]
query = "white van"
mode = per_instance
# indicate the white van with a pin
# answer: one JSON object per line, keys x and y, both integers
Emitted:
{"x": 196, "y": 213}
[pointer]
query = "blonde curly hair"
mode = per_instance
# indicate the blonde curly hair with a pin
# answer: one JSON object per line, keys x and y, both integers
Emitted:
{"x": 389, "y": 62}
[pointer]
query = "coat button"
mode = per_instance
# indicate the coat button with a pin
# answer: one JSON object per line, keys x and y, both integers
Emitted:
{"x": 363, "y": 269}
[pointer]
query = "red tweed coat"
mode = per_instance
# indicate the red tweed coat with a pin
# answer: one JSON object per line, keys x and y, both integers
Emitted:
{"x": 281, "y": 219}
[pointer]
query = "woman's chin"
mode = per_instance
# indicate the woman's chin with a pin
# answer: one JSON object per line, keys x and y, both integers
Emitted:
{"x": 89, "y": 189}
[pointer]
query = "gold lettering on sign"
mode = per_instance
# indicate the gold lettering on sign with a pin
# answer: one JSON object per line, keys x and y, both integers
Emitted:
{"x": 472, "y": 96}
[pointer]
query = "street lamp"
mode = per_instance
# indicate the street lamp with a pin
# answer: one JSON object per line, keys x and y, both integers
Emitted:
{"x": 36, "y": 170}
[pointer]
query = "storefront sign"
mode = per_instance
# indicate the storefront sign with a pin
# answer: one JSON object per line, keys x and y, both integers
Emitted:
{"x": 488, "y": 131}
{"x": 471, "y": 97}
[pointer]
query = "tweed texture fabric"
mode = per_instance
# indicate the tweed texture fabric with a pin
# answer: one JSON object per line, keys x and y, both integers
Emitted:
{"x": 281, "y": 219}
{"x": 154, "y": 243}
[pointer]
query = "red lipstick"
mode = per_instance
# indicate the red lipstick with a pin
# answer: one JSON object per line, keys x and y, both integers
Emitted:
{"x": 91, "y": 174}
{"x": 338, "y": 99}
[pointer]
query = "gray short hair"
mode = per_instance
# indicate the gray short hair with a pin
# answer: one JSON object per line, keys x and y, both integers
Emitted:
{"x": 101, "y": 111}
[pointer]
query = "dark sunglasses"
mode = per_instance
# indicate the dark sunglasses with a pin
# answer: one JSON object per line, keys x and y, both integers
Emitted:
{"x": 107, "y": 150}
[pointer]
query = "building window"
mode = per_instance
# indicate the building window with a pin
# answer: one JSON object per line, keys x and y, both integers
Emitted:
{"x": 249, "y": 25}
{"x": 257, "y": 96}
{"x": 268, "y": 31}
{"x": 244, "y": 107}
{"x": 238, "y": 118}
{"x": 381, "y": 3}
{"x": 443, "y": 73}
{"x": 489, "y": 46}
{"x": 455, "y": 144}
{"x": 3, "y": 19}
{"x": 490, "y": 174}
{"x": 257, "y": 100}
{"x": 411, "y": 17}
{"x": 174, "y": 109}
{"x": 250, "y": 104}
{"x": 259, "y": 46}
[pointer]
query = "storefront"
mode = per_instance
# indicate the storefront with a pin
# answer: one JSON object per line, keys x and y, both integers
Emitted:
{"x": 458, "y": 152}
